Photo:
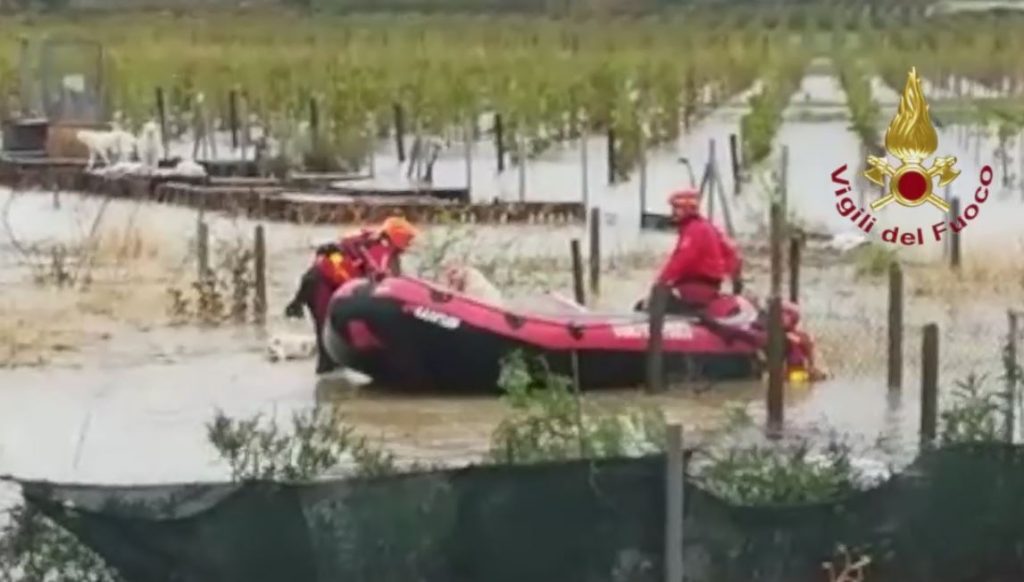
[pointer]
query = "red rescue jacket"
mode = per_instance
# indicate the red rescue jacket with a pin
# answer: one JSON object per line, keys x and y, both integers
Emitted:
{"x": 732, "y": 261}
{"x": 355, "y": 256}
{"x": 698, "y": 256}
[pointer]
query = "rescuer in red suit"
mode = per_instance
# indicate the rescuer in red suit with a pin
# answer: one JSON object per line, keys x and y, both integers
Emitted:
{"x": 370, "y": 253}
{"x": 703, "y": 257}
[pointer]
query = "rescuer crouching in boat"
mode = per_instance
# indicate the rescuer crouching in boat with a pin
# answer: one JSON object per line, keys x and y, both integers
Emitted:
{"x": 703, "y": 257}
{"x": 370, "y": 253}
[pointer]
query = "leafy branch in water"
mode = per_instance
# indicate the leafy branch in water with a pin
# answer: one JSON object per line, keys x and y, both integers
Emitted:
{"x": 257, "y": 448}
{"x": 974, "y": 416}
{"x": 744, "y": 469}
{"x": 548, "y": 421}
{"x": 769, "y": 475}
{"x": 224, "y": 293}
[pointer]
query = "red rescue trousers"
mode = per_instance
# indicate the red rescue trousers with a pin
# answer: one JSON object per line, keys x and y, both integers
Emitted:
{"x": 697, "y": 293}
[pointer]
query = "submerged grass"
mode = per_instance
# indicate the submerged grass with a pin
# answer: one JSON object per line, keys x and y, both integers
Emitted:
{"x": 105, "y": 271}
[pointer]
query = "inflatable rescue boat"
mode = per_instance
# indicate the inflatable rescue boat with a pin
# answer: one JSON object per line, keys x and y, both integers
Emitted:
{"x": 410, "y": 334}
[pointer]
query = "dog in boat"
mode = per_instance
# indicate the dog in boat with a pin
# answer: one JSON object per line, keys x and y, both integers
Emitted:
{"x": 471, "y": 282}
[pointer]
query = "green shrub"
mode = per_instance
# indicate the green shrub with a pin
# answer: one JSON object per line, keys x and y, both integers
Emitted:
{"x": 781, "y": 474}
{"x": 975, "y": 416}
{"x": 256, "y": 448}
{"x": 873, "y": 260}
{"x": 548, "y": 421}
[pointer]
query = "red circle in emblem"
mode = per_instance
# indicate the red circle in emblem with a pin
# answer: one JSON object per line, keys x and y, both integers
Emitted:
{"x": 912, "y": 185}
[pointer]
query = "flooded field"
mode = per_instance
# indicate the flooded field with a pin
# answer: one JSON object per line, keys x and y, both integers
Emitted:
{"x": 99, "y": 387}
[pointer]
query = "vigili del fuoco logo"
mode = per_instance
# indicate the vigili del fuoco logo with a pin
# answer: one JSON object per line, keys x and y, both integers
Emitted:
{"x": 911, "y": 139}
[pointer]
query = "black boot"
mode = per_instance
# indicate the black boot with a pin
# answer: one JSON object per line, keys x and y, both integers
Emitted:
{"x": 324, "y": 363}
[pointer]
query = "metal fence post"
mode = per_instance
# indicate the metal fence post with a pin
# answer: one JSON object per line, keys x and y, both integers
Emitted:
{"x": 1012, "y": 369}
{"x": 895, "y": 326}
{"x": 929, "y": 383}
{"x": 674, "y": 484}
{"x": 657, "y": 304}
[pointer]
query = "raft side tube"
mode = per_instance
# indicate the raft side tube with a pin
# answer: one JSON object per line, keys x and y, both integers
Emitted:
{"x": 427, "y": 347}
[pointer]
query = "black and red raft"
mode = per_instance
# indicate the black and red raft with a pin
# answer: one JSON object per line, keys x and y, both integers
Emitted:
{"x": 410, "y": 334}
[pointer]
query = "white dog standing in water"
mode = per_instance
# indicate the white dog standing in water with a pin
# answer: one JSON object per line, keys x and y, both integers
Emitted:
{"x": 286, "y": 347}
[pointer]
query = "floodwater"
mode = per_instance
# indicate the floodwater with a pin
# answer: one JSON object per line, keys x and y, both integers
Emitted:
{"x": 129, "y": 403}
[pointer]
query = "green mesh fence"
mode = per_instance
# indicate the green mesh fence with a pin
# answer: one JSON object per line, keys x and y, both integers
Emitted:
{"x": 956, "y": 514}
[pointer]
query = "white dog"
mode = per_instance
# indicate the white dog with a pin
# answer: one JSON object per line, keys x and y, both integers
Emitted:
{"x": 471, "y": 282}
{"x": 291, "y": 347}
{"x": 149, "y": 144}
{"x": 110, "y": 146}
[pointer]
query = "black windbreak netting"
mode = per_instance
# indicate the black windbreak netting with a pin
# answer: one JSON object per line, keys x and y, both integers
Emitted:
{"x": 956, "y": 514}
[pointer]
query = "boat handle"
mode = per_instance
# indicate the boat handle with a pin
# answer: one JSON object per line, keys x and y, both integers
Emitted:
{"x": 575, "y": 330}
{"x": 440, "y": 296}
{"x": 514, "y": 321}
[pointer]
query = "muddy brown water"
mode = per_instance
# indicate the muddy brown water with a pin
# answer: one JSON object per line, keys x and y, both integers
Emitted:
{"x": 130, "y": 406}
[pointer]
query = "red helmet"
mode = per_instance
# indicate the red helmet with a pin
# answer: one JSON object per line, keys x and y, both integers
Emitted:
{"x": 399, "y": 231}
{"x": 685, "y": 199}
